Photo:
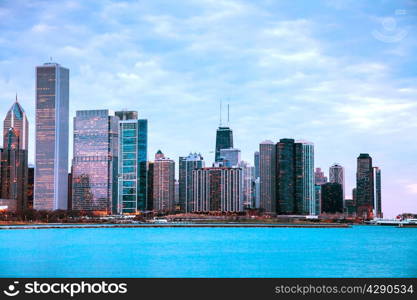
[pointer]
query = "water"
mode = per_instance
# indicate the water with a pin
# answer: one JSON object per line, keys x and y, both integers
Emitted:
{"x": 361, "y": 251}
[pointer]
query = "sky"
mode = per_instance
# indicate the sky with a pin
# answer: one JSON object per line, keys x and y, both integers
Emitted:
{"x": 341, "y": 74}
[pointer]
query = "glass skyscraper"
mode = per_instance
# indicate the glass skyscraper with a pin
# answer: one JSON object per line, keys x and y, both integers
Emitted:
{"x": 337, "y": 174}
{"x": 224, "y": 140}
{"x": 186, "y": 166}
{"x": 267, "y": 176}
{"x": 364, "y": 185}
{"x": 377, "y": 192}
{"x": 308, "y": 202}
{"x": 94, "y": 169}
{"x": 133, "y": 157}
{"x": 51, "y": 158}
{"x": 14, "y": 166}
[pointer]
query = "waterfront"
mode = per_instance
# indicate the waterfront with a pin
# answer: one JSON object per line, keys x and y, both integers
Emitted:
{"x": 360, "y": 251}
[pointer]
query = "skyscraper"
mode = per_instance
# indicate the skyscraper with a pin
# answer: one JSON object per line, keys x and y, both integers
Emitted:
{"x": 377, "y": 192}
{"x": 163, "y": 183}
{"x": 218, "y": 189}
{"x": 319, "y": 177}
{"x": 337, "y": 174}
{"x": 186, "y": 166}
{"x": 307, "y": 204}
{"x": 51, "y": 158}
{"x": 256, "y": 163}
{"x": 133, "y": 157}
{"x": 14, "y": 167}
{"x": 332, "y": 198}
{"x": 267, "y": 175}
{"x": 364, "y": 185}
{"x": 248, "y": 183}
{"x": 224, "y": 140}
{"x": 94, "y": 167}
{"x": 230, "y": 157}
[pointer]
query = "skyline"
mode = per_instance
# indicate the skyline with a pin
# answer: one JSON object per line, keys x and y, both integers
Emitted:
{"x": 187, "y": 75}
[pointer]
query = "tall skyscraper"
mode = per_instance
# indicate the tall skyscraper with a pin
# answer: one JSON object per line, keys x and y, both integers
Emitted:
{"x": 186, "y": 166}
{"x": 307, "y": 204}
{"x": 295, "y": 177}
{"x": 256, "y": 163}
{"x": 94, "y": 167}
{"x": 377, "y": 192}
{"x": 14, "y": 167}
{"x": 364, "y": 185}
{"x": 51, "y": 158}
{"x": 224, "y": 140}
{"x": 332, "y": 198}
{"x": 163, "y": 183}
{"x": 337, "y": 174}
{"x": 218, "y": 189}
{"x": 319, "y": 177}
{"x": 248, "y": 183}
{"x": 230, "y": 157}
{"x": 267, "y": 176}
{"x": 133, "y": 157}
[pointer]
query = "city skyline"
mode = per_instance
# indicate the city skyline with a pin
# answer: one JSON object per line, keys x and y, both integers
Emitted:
{"x": 371, "y": 122}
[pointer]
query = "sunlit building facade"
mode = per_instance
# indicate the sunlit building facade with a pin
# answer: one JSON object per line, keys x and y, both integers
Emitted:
{"x": 14, "y": 157}
{"x": 163, "y": 183}
{"x": 94, "y": 167}
{"x": 377, "y": 192}
{"x": 133, "y": 157}
{"x": 51, "y": 157}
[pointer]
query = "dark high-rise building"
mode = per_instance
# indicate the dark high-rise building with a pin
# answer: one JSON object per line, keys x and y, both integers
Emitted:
{"x": 218, "y": 189}
{"x": 331, "y": 198}
{"x": 267, "y": 176}
{"x": 337, "y": 174}
{"x": 31, "y": 183}
{"x": 52, "y": 119}
{"x": 94, "y": 167}
{"x": 14, "y": 167}
{"x": 224, "y": 140}
{"x": 364, "y": 185}
{"x": 163, "y": 183}
{"x": 377, "y": 192}
{"x": 133, "y": 157}
{"x": 256, "y": 163}
{"x": 150, "y": 185}
{"x": 70, "y": 190}
{"x": 186, "y": 166}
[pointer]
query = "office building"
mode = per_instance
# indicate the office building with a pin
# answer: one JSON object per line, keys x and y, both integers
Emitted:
{"x": 337, "y": 174}
{"x": 218, "y": 189}
{"x": 230, "y": 157}
{"x": 377, "y": 192}
{"x": 319, "y": 177}
{"x": 95, "y": 161}
{"x": 14, "y": 160}
{"x": 256, "y": 163}
{"x": 133, "y": 157}
{"x": 331, "y": 198}
{"x": 267, "y": 176}
{"x": 224, "y": 140}
{"x": 51, "y": 157}
{"x": 163, "y": 183}
{"x": 186, "y": 166}
{"x": 248, "y": 182}
{"x": 364, "y": 186}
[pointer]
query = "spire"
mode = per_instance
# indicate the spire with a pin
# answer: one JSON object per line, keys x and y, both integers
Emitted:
{"x": 16, "y": 97}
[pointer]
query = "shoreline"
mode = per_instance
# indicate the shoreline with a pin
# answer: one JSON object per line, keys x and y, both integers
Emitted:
{"x": 172, "y": 225}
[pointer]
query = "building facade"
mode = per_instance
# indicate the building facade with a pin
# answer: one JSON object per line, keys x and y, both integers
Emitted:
{"x": 267, "y": 176}
{"x": 337, "y": 175}
{"x": 51, "y": 157}
{"x": 217, "y": 189}
{"x": 364, "y": 185}
{"x": 163, "y": 183}
{"x": 319, "y": 177}
{"x": 95, "y": 161}
{"x": 230, "y": 157}
{"x": 331, "y": 198}
{"x": 248, "y": 184}
{"x": 186, "y": 166}
{"x": 377, "y": 192}
{"x": 133, "y": 157}
{"x": 224, "y": 140}
{"x": 14, "y": 157}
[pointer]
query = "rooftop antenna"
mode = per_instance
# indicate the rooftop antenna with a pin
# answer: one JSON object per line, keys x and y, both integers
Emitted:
{"x": 16, "y": 97}
{"x": 228, "y": 119}
{"x": 50, "y": 58}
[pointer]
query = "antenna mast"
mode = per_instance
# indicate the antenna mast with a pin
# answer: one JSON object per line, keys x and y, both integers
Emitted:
{"x": 228, "y": 114}
{"x": 220, "y": 112}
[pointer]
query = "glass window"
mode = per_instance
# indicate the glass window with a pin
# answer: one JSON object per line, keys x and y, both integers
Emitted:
{"x": 129, "y": 191}
{"x": 129, "y": 183}
{"x": 128, "y": 169}
{"x": 129, "y": 155}
{"x": 129, "y": 163}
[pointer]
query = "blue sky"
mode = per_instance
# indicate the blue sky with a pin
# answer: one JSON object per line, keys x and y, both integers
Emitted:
{"x": 341, "y": 74}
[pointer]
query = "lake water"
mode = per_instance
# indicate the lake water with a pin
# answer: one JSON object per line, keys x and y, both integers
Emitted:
{"x": 360, "y": 251}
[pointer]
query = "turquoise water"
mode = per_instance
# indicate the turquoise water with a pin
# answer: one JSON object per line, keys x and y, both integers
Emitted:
{"x": 361, "y": 251}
